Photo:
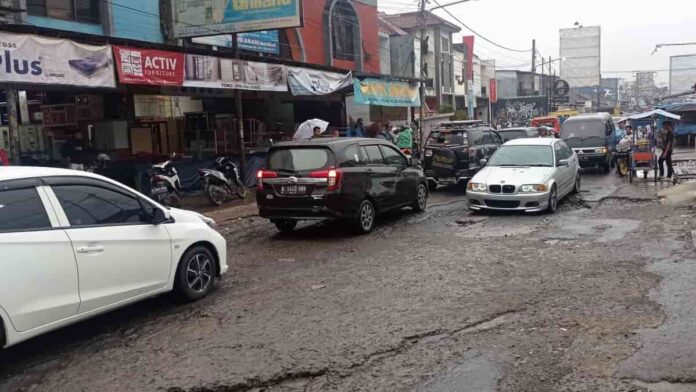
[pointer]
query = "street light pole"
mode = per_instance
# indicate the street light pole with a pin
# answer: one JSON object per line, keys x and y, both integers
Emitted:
{"x": 660, "y": 46}
{"x": 421, "y": 23}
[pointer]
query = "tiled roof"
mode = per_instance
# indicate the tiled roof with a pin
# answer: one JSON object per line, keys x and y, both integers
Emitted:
{"x": 384, "y": 26}
{"x": 412, "y": 20}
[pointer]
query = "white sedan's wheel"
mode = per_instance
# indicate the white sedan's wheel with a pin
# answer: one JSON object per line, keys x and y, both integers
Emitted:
{"x": 196, "y": 274}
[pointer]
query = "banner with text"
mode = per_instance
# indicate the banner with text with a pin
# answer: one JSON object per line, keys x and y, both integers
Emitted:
{"x": 192, "y": 19}
{"x": 305, "y": 81}
{"x": 214, "y": 72}
{"x": 371, "y": 91}
{"x": 148, "y": 66}
{"x": 33, "y": 59}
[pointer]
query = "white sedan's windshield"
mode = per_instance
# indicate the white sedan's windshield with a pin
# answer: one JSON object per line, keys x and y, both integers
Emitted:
{"x": 522, "y": 156}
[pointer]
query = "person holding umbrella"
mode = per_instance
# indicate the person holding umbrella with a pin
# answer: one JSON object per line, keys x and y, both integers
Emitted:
{"x": 316, "y": 132}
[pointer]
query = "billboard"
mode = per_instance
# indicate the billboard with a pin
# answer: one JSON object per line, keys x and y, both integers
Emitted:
{"x": 519, "y": 111}
{"x": 256, "y": 41}
{"x": 194, "y": 19}
{"x": 580, "y": 49}
{"x": 34, "y": 59}
{"x": 682, "y": 73}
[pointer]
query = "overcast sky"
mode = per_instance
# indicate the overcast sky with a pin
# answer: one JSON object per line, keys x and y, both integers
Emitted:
{"x": 630, "y": 29}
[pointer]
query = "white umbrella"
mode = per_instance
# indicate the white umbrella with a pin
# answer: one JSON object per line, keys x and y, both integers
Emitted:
{"x": 306, "y": 129}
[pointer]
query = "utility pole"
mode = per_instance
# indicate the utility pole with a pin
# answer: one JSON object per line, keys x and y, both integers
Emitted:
{"x": 11, "y": 98}
{"x": 240, "y": 117}
{"x": 542, "y": 83}
{"x": 421, "y": 23}
{"x": 533, "y": 66}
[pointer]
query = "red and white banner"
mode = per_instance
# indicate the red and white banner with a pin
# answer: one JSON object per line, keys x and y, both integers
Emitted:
{"x": 149, "y": 66}
{"x": 493, "y": 89}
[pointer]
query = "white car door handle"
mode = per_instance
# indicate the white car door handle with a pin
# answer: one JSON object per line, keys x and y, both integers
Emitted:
{"x": 89, "y": 249}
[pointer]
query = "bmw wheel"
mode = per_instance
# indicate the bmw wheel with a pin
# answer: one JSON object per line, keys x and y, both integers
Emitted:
{"x": 576, "y": 188}
{"x": 195, "y": 274}
{"x": 553, "y": 201}
{"x": 365, "y": 219}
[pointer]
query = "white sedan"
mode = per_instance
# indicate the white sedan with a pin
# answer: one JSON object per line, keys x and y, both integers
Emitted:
{"x": 525, "y": 175}
{"x": 76, "y": 244}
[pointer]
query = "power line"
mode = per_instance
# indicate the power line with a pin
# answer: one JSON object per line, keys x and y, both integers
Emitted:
{"x": 477, "y": 34}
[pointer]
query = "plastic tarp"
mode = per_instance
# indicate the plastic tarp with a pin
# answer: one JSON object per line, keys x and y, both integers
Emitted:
{"x": 685, "y": 129}
{"x": 656, "y": 112}
{"x": 680, "y": 107}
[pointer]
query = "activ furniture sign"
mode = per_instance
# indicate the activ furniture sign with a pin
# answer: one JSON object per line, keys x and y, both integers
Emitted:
{"x": 193, "y": 19}
{"x": 41, "y": 60}
{"x": 147, "y": 66}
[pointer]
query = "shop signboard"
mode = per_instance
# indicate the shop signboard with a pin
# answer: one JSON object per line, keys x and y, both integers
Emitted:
{"x": 372, "y": 91}
{"x": 149, "y": 66}
{"x": 260, "y": 41}
{"x": 214, "y": 72}
{"x": 255, "y": 41}
{"x": 192, "y": 19}
{"x": 41, "y": 60}
{"x": 305, "y": 81}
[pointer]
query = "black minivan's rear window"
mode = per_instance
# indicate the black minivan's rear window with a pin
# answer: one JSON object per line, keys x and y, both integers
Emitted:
{"x": 300, "y": 159}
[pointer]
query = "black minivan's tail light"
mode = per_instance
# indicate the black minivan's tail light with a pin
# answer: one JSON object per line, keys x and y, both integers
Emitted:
{"x": 333, "y": 178}
{"x": 261, "y": 174}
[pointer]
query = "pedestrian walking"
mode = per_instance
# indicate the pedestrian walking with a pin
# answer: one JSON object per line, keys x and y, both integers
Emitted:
{"x": 73, "y": 151}
{"x": 666, "y": 137}
{"x": 316, "y": 132}
{"x": 357, "y": 130}
{"x": 386, "y": 133}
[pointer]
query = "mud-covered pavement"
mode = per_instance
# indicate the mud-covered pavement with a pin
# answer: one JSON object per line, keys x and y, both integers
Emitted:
{"x": 597, "y": 297}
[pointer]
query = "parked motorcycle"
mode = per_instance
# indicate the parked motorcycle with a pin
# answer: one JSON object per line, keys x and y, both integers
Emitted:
{"x": 165, "y": 185}
{"x": 223, "y": 181}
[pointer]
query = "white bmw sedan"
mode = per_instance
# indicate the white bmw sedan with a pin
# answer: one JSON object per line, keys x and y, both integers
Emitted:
{"x": 75, "y": 244}
{"x": 525, "y": 175}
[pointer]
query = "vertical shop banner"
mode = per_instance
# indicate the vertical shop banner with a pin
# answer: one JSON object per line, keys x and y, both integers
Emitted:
{"x": 192, "y": 18}
{"x": 371, "y": 91}
{"x": 214, "y": 72}
{"x": 33, "y": 59}
{"x": 148, "y": 66}
{"x": 493, "y": 89}
{"x": 305, "y": 81}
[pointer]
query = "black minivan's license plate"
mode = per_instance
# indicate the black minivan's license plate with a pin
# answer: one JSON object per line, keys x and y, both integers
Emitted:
{"x": 293, "y": 189}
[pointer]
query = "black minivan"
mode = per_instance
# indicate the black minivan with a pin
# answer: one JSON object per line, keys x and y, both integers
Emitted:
{"x": 352, "y": 179}
{"x": 454, "y": 150}
{"x": 591, "y": 136}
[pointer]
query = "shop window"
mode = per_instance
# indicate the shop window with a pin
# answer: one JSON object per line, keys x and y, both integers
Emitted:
{"x": 78, "y": 10}
{"x": 344, "y": 30}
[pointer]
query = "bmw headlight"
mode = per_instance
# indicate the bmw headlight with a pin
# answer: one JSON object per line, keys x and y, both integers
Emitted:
{"x": 476, "y": 187}
{"x": 211, "y": 223}
{"x": 533, "y": 188}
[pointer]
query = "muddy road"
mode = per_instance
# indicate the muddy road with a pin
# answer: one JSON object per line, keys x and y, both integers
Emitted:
{"x": 596, "y": 297}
